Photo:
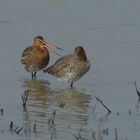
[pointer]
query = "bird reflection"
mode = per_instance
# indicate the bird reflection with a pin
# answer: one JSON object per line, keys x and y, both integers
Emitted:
{"x": 35, "y": 113}
{"x": 37, "y": 88}
{"x": 76, "y": 104}
{"x": 71, "y": 106}
{"x": 74, "y": 99}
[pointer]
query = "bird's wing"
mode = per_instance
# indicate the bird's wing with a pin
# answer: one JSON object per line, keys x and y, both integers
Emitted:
{"x": 25, "y": 53}
{"x": 59, "y": 65}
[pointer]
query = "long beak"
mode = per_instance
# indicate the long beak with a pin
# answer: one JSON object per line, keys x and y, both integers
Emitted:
{"x": 58, "y": 48}
{"x": 52, "y": 47}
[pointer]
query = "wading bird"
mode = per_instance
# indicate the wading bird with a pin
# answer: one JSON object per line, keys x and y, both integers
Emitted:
{"x": 36, "y": 57}
{"x": 70, "y": 68}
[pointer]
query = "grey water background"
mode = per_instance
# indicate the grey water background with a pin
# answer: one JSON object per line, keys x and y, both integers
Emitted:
{"x": 109, "y": 30}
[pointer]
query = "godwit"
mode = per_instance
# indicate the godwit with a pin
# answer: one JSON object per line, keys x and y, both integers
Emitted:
{"x": 36, "y": 57}
{"x": 70, "y": 67}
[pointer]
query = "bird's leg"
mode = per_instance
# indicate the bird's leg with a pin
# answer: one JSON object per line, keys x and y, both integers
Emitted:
{"x": 33, "y": 75}
{"x": 71, "y": 84}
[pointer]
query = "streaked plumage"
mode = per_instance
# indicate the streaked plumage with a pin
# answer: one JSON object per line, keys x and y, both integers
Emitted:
{"x": 36, "y": 57}
{"x": 71, "y": 67}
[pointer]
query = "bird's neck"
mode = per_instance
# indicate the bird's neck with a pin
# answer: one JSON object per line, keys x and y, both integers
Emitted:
{"x": 82, "y": 56}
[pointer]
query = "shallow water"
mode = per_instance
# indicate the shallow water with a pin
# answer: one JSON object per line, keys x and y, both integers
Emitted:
{"x": 109, "y": 31}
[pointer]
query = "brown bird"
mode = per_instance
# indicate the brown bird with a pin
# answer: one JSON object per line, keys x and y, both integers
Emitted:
{"x": 70, "y": 67}
{"x": 36, "y": 57}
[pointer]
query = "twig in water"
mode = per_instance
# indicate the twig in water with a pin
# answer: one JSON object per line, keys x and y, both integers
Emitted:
{"x": 2, "y": 131}
{"x": 78, "y": 137}
{"x": 93, "y": 110}
{"x": 34, "y": 128}
{"x": 99, "y": 100}
{"x": 116, "y": 134}
{"x": 117, "y": 113}
{"x": 105, "y": 131}
{"x": 18, "y": 131}
{"x": 15, "y": 130}
{"x": 1, "y": 110}
{"x": 93, "y": 135}
{"x": 11, "y": 126}
{"x": 54, "y": 114}
{"x": 51, "y": 120}
{"x": 138, "y": 93}
{"x": 25, "y": 98}
{"x": 62, "y": 104}
{"x": 80, "y": 133}
{"x": 129, "y": 111}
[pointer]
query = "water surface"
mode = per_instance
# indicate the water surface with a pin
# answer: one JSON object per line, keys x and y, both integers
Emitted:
{"x": 109, "y": 31}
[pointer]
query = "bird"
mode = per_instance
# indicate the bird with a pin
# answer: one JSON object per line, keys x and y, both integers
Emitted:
{"x": 36, "y": 57}
{"x": 71, "y": 67}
